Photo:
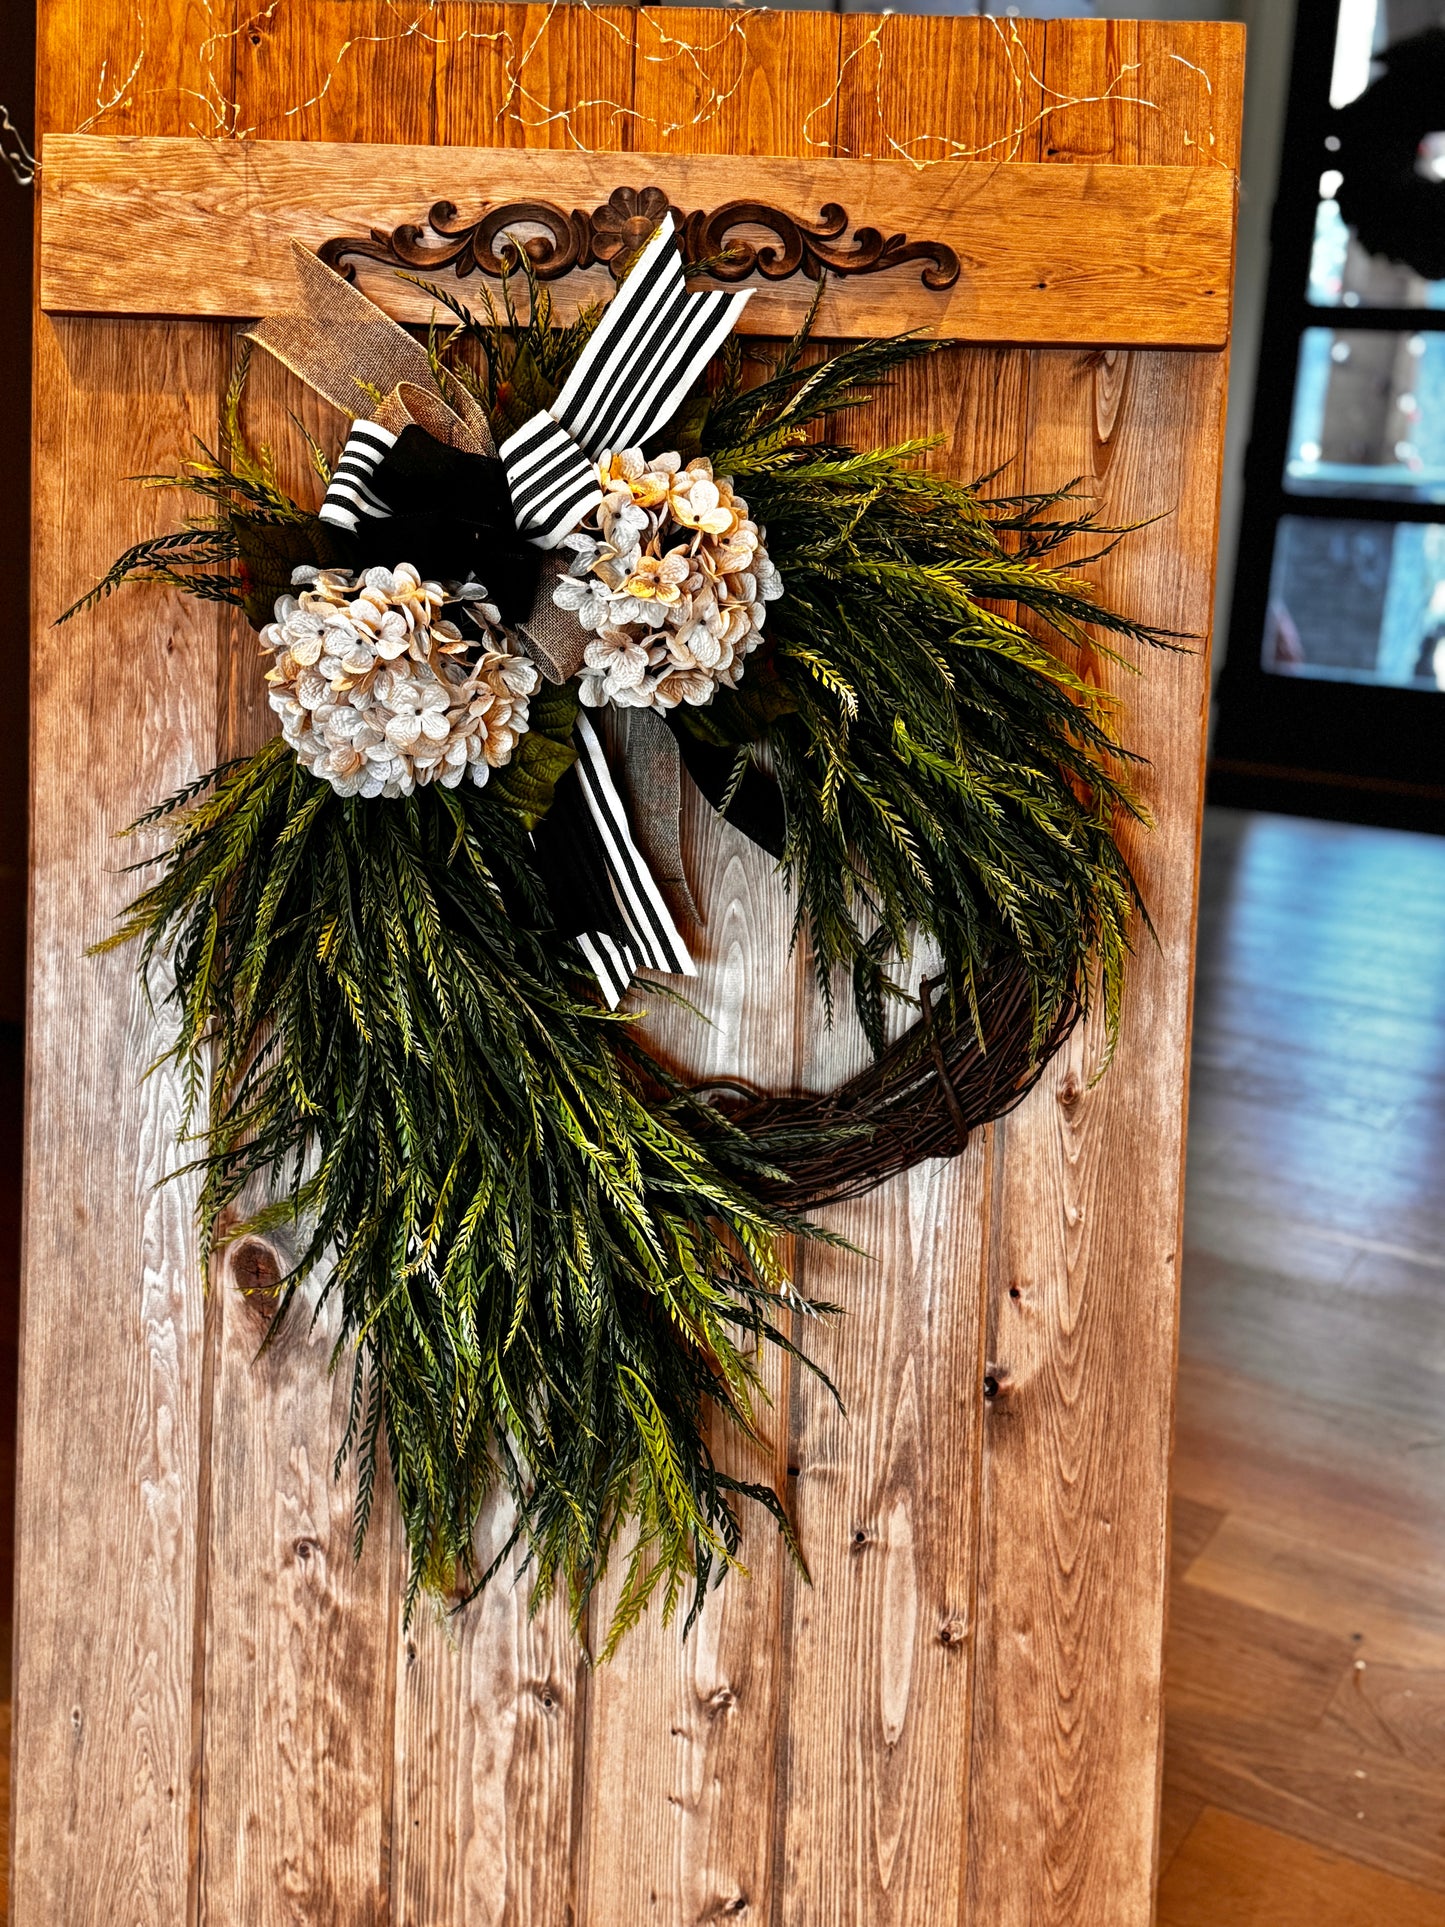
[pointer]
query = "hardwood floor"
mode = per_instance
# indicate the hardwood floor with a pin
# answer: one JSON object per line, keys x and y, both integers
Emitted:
{"x": 1305, "y": 1768}
{"x": 1305, "y": 1763}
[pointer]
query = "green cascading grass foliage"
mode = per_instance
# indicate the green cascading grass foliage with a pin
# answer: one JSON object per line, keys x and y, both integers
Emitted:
{"x": 545, "y": 1271}
{"x": 549, "y": 1256}
{"x": 945, "y": 765}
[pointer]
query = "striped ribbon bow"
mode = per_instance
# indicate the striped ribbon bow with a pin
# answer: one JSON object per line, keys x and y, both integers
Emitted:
{"x": 640, "y": 933}
{"x": 349, "y": 494}
{"x": 633, "y": 375}
{"x": 644, "y": 355}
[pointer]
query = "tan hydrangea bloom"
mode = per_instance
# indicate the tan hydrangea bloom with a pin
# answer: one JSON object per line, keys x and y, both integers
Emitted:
{"x": 379, "y": 693}
{"x": 670, "y": 577}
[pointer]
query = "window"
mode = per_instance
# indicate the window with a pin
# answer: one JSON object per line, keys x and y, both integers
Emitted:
{"x": 1331, "y": 699}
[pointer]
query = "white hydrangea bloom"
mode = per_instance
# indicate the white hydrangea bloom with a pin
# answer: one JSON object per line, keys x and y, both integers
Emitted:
{"x": 670, "y": 578}
{"x": 379, "y": 693}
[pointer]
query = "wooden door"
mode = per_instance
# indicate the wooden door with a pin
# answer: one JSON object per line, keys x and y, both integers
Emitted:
{"x": 219, "y": 1716}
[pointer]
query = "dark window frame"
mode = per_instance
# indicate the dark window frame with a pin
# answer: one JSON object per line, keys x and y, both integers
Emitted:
{"x": 1298, "y": 744}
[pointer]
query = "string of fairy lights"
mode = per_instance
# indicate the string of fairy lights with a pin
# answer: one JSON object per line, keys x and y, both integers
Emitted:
{"x": 716, "y": 70}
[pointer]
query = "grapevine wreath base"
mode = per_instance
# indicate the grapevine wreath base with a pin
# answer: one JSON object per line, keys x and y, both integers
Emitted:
{"x": 401, "y": 934}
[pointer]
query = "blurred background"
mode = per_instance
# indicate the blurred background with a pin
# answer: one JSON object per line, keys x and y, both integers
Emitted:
{"x": 1305, "y": 1770}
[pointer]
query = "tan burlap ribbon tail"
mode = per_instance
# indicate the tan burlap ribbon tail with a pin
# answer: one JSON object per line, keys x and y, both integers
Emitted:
{"x": 652, "y": 771}
{"x": 342, "y": 345}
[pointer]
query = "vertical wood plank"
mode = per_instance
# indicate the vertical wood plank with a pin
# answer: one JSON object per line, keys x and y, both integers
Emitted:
{"x": 297, "y": 1726}
{"x": 684, "y": 1831}
{"x": 879, "y": 1700}
{"x": 339, "y": 70}
{"x": 490, "y": 1702}
{"x": 1083, "y": 1272}
{"x": 537, "y": 76}
{"x": 1083, "y": 1280}
{"x": 875, "y": 1797}
{"x": 112, "y": 1318}
{"x": 299, "y": 1638}
{"x": 933, "y": 88}
{"x": 877, "y": 1753}
{"x": 111, "y": 1377}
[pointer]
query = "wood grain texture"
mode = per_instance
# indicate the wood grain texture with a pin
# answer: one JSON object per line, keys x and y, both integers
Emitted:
{"x": 689, "y": 1831}
{"x": 112, "y": 1346}
{"x": 1084, "y": 1270}
{"x": 873, "y": 1806}
{"x": 914, "y": 89}
{"x": 299, "y": 1638}
{"x": 685, "y": 1832}
{"x": 297, "y": 1721}
{"x": 108, "y": 1517}
{"x": 490, "y": 1703}
{"x": 875, "y": 1797}
{"x": 333, "y": 70}
{"x": 535, "y": 77}
{"x": 1085, "y": 1273}
{"x": 1089, "y": 255}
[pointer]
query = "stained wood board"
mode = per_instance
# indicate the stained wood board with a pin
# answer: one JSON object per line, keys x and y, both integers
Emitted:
{"x": 697, "y": 1821}
{"x": 1088, "y": 255}
{"x": 1085, "y": 1259}
{"x": 109, "y": 1535}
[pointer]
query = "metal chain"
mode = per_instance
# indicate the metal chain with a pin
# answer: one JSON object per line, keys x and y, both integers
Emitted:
{"x": 16, "y": 155}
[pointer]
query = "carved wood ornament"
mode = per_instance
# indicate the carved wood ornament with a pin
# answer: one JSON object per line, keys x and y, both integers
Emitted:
{"x": 609, "y": 236}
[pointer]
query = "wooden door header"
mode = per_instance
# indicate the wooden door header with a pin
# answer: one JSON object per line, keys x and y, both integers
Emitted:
{"x": 1019, "y": 253}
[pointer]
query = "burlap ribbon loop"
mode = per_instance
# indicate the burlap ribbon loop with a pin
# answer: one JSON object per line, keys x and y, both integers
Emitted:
{"x": 341, "y": 344}
{"x": 652, "y": 772}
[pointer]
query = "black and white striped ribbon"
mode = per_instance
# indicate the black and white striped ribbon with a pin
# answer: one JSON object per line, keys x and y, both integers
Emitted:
{"x": 653, "y": 941}
{"x": 631, "y": 378}
{"x": 635, "y": 372}
{"x": 349, "y": 495}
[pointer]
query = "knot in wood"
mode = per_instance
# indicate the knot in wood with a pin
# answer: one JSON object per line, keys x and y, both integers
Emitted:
{"x": 256, "y": 1274}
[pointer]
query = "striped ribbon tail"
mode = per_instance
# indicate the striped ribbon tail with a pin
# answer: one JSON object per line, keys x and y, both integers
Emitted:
{"x": 349, "y": 495}
{"x": 649, "y": 938}
{"x": 644, "y": 355}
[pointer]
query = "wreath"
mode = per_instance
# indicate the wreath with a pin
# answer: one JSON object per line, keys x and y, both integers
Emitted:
{"x": 399, "y": 936}
{"x": 1393, "y": 208}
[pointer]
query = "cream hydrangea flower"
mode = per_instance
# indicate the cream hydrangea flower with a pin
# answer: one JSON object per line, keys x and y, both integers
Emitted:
{"x": 379, "y": 693}
{"x": 671, "y": 578}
